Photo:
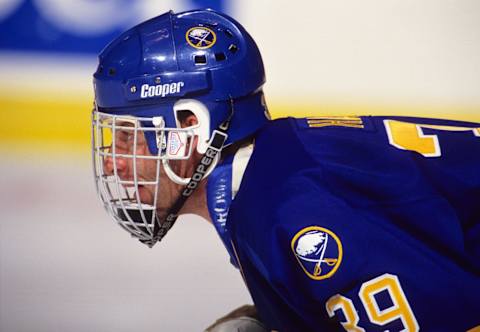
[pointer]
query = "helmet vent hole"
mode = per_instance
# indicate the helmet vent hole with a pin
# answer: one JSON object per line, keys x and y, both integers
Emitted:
{"x": 200, "y": 59}
{"x": 229, "y": 33}
{"x": 100, "y": 69}
{"x": 220, "y": 56}
{"x": 233, "y": 48}
{"x": 112, "y": 71}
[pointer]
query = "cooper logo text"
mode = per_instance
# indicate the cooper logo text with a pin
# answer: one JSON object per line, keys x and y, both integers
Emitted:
{"x": 160, "y": 90}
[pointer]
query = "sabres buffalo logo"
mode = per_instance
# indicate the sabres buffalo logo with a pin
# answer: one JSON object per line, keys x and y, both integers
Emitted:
{"x": 201, "y": 37}
{"x": 318, "y": 251}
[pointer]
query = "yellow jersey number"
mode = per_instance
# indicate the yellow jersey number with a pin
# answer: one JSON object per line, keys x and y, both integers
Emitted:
{"x": 399, "y": 310}
{"x": 410, "y": 136}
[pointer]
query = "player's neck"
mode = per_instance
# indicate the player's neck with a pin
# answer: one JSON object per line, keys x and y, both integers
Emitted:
{"x": 197, "y": 203}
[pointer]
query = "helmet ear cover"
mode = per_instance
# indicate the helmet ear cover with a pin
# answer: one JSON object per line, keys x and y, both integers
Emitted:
{"x": 202, "y": 128}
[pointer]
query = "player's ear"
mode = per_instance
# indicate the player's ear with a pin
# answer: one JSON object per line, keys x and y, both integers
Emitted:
{"x": 187, "y": 119}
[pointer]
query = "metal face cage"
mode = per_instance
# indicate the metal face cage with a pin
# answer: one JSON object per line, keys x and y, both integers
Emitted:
{"x": 124, "y": 167}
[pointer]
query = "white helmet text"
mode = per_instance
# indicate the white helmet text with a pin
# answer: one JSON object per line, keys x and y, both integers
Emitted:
{"x": 161, "y": 90}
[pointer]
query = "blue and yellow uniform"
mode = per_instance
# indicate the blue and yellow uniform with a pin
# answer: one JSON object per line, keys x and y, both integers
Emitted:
{"x": 358, "y": 223}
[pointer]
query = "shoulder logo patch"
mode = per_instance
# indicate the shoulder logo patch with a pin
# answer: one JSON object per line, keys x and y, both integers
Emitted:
{"x": 201, "y": 37}
{"x": 318, "y": 251}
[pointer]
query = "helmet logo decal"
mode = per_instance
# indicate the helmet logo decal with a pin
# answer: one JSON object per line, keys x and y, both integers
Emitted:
{"x": 318, "y": 251}
{"x": 201, "y": 37}
{"x": 176, "y": 143}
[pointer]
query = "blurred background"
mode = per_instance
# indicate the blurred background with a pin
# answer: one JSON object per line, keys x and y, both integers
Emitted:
{"x": 64, "y": 266}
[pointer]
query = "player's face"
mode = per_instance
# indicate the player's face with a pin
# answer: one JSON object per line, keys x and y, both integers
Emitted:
{"x": 145, "y": 169}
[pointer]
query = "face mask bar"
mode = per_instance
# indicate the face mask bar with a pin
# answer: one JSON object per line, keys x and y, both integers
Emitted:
{"x": 124, "y": 167}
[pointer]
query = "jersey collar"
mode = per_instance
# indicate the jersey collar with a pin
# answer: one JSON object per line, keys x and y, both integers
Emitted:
{"x": 222, "y": 187}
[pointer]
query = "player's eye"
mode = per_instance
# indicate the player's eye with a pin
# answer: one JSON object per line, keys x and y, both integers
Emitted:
{"x": 124, "y": 131}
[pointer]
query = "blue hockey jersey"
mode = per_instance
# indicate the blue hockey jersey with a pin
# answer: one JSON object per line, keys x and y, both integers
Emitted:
{"x": 358, "y": 224}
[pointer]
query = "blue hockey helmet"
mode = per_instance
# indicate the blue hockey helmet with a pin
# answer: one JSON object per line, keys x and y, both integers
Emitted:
{"x": 199, "y": 61}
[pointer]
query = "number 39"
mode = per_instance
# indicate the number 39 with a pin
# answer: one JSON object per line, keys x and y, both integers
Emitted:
{"x": 399, "y": 310}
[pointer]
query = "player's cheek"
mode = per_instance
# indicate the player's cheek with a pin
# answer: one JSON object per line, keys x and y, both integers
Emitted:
{"x": 147, "y": 169}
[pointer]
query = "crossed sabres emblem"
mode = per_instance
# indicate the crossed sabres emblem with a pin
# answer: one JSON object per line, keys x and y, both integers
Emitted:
{"x": 201, "y": 37}
{"x": 310, "y": 248}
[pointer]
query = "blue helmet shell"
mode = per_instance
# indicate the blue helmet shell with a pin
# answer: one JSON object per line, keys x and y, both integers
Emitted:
{"x": 200, "y": 54}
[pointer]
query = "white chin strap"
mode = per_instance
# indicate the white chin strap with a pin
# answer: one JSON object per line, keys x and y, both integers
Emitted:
{"x": 184, "y": 181}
